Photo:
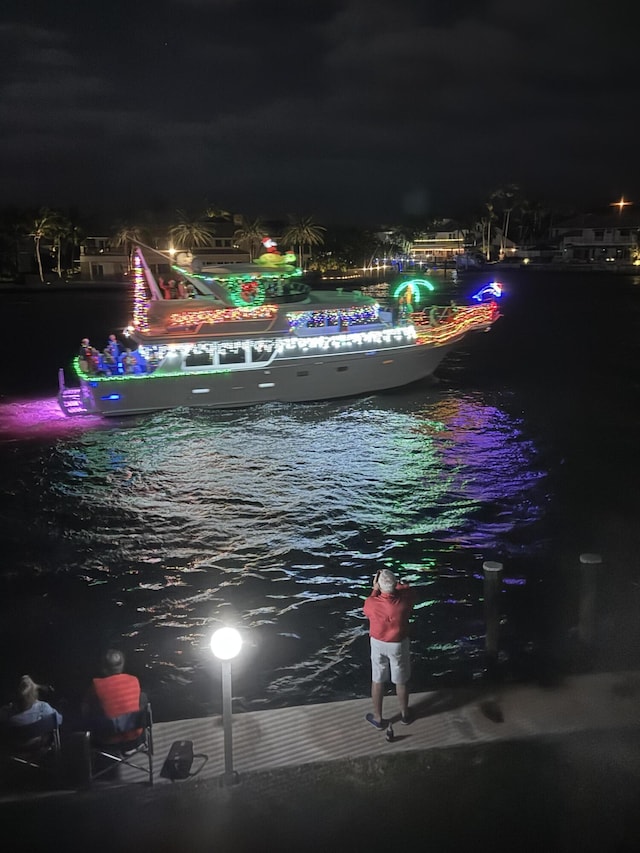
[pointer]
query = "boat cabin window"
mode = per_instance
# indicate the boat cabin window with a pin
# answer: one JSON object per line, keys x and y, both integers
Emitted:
{"x": 198, "y": 358}
{"x": 261, "y": 354}
{"x": 232, "y": 356}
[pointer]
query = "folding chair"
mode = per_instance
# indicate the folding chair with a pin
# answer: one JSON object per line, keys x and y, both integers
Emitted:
{"x": 35, "y": 746}
{"x": 107, "y": 744}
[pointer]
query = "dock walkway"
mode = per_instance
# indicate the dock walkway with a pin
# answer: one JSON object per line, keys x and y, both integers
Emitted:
{"x": 523, "y": 767}
{"x": 265, "y": 740}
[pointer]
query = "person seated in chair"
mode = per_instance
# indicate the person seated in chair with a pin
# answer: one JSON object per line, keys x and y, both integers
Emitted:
{"x": 112, "y": 697}
{"x": 27, "y": 708}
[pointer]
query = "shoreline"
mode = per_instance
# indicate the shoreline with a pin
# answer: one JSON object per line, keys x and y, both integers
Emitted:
{"x": 349, "y": 283}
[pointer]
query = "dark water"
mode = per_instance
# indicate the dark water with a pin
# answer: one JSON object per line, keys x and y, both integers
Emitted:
{"x": 149, "y": 533}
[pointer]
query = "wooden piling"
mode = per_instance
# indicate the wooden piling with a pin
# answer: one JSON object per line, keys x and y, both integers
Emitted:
{"x": 492, "y": 582}
{"x": 589, "y": 565}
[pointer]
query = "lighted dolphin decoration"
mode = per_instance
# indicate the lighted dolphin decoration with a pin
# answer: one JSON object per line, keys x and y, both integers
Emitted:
{"x": 492, "y": 290}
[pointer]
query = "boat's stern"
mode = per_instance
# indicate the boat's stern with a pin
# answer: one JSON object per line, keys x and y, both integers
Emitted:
{"x": 74, "y": 401}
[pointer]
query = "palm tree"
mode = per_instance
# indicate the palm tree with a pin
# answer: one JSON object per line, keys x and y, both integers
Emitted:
{"x": 212, "y": 211}
{"x": 42, "y": 228}
{"x": 344, "y": 247}
{"x": 189, "y": 233}
{"x": 506, "y": 199}
{"x": 13, "y": 228}
{"x": 129, "y": 236}
{"x": 398, "y": 244}
{"x": 63, "y": 232}
{"x": 303, "y": 231}
{"x": 249, "y": 234}
{"x": 486, "y": 222}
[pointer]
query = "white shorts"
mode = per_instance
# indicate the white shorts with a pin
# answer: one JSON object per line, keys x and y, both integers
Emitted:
{"x": 390, "y": 661}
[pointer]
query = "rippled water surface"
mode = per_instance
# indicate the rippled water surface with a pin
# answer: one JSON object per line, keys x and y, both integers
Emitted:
{"x": 150, "y": 532}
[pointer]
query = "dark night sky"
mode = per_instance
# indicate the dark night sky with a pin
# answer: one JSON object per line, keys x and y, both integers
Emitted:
{"x": 346, "y": 110}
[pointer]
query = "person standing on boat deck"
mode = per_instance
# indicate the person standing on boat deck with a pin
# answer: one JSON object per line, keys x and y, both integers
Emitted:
{"x": 114, "y": 346}
{"x": 388, "y": 609}
{"x": 84, "y": 355}
{"x": 164, "y": 287}
{"x": 129, "y": 362}
{"x": 109, "y": 363}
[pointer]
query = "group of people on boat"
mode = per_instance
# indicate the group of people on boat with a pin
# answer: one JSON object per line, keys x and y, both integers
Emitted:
{"x": 114, "y": 360}
{"x": 436, "y": 314}
{"x": 173, "y": 289}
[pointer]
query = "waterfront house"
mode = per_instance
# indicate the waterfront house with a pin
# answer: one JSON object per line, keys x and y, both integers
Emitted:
{"x": 611, "y": 237}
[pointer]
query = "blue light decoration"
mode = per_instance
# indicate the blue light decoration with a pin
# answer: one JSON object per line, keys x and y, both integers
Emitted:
{"x": 412, "y": 289}
{"x": 356, "y": 316}
{"x": 111, "y": 397}
{"x": 493, "y": 290}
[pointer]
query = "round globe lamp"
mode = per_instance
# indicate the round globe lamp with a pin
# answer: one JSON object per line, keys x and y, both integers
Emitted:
{"x": 225, "y": 645}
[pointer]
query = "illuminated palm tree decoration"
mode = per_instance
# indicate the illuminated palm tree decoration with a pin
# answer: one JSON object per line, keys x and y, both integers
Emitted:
{"x": 129, "y": 236}
{"x": 43, "y": 228}
{"x": 250, "y": 234}
{"x": 190, "y": 233}
{"x": 303, "y": 231}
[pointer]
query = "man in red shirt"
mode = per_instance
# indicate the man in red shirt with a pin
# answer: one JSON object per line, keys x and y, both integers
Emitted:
{"x": 114, "y": 695}
{"x": 388, "y": 609}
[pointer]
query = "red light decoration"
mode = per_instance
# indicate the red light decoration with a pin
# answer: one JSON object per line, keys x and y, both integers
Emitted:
{"x": 211, "y": 316}
{"x": 461, "y": 321}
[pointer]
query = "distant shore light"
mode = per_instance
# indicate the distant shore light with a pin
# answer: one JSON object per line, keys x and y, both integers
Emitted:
{"x": 620, "y": 204}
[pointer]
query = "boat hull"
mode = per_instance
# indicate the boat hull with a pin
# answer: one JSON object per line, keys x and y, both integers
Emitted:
{"x": 288, "y": 380}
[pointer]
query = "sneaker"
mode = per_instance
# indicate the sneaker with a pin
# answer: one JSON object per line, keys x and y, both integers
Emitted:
{"x": 406, "y": 719}
{"x": 380, "y": 726}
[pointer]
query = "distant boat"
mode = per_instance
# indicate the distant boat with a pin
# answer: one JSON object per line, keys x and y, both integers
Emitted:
{"x": 245, "y": 334}
{"x": 469, "y": 261}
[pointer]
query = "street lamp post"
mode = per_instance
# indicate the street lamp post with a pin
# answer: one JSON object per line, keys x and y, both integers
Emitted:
{"x": 225, "y": 645}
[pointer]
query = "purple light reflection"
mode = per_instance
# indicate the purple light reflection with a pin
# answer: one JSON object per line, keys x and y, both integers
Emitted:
{"x": 41, "y": 418}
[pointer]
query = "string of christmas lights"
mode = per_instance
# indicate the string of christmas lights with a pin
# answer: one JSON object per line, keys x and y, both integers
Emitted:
{"x": 356, "y": 316}
{"x": 140, "y": 297}
{"x": 212, "y": 316}
{"x": 464, "y": 320}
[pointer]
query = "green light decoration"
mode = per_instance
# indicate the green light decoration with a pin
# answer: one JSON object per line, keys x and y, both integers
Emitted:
{"x": 246, "y": 292}
{"x": 95, "y": 380}
{"x": 246, "y": 289}
{"x": 411, "y": 289}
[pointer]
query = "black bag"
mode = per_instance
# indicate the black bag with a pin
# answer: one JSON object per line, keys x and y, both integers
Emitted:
{"x": 177, "y": 764}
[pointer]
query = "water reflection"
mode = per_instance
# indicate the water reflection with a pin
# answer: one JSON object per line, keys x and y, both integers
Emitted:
{"x": 154, "y": 531}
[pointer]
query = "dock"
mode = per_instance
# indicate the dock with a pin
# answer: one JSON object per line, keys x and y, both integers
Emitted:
{"x": 555, "y": 767}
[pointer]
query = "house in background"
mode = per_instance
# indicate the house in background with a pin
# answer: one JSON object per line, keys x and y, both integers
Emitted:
{"x": 101, "y": 260}
{"x": 611, "y": 237}
{"x": 440, "y": 244}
